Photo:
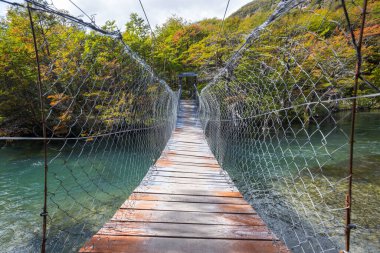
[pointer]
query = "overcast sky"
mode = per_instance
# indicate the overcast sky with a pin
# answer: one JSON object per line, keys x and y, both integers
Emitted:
{"x": 158, "y": 11}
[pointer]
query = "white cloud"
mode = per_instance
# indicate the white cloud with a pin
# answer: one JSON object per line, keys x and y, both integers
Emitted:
{"x": 158, "y": 11}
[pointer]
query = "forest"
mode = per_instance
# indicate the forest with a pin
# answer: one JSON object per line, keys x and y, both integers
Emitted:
{"x": 93, "y": 65}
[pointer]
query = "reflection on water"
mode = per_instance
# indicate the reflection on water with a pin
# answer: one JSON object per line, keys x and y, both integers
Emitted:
{"x": 297, "y": 181}
{"x": 87, "y": 183}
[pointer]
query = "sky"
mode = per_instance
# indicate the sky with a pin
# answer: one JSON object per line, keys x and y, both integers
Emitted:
{"x": 158, "y": 11}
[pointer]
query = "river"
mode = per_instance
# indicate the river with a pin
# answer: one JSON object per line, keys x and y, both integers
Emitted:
{"x": 88, "y": 181}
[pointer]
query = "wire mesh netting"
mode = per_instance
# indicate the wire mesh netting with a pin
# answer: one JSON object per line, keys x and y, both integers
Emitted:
{"x": 107, "y": 118}
{"x": 277, "y": 118}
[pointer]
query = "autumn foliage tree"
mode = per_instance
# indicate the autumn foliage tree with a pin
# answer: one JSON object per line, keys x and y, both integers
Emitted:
{"x": 91, "y": 63}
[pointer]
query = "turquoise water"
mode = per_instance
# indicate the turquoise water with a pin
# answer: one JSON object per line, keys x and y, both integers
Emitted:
{"x": 296, "y": 180}
{"x": 87, "y": 183}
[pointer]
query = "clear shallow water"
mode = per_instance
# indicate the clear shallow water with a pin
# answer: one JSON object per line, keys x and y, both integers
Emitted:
{"x": 87, "y": 183}
{"x": 297, "y": 181}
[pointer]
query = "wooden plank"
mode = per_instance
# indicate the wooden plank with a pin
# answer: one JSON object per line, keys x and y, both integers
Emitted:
{"x": 193, "y": 192}
{"x": 124, "y": 244}
{"x": 189, "y": 167}
{"x": 204, "y": 188}
{"x": 201, "y": 189}
{"x": 189, "y": 149}
{"x": 199, "y": 170}
{"x": 202, "y": 149}
{"x": 189, "y": 131}
{"x": 190, "y": 143}
{"x": 201, "y": 173}
{"x": 187, "y": 217}
{"x": 177, "y": 180}
{"x": 186, "y": 230}
{"x": 167, "y": 162}
{"x": 186, "y": 154}
{"x": 187, "y": 178}
{"x": 189, "y": 207}
{"x": 187, "y": 198}
{"x": 188, "y": 175}
{"x": 190, "y": 154}
{"x": 194, "y": 148}
{"x": 186, "y": 182}
{"x": 186, "y": 172}
{"x": 192, "y": 160}
{"x": 188, "y": 136}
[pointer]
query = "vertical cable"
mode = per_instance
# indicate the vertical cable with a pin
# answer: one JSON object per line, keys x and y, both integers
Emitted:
{"x": 219, "y": 33}
{"x": 39, "y": 84}
{"x": 154, "y": 39}
{"x": 358, "y": 47}
{"x": 147, "y": 20}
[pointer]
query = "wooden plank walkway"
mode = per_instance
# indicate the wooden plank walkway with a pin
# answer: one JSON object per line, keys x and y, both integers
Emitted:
{"x": 186, "y": 203}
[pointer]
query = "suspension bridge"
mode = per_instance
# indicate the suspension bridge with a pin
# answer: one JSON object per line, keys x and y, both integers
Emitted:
{"x": 186, "y": 203}
{"x": 261, "y": 159}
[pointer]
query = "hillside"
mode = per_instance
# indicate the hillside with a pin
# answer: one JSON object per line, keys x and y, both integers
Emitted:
{"x": 253, "y": 7}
